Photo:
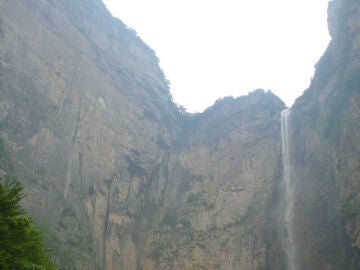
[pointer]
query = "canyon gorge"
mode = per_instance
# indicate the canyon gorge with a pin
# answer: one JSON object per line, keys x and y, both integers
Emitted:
{"x": 117, "y": 177}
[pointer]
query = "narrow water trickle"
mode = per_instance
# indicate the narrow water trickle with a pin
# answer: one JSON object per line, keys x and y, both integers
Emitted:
{"x": 288, "y": 240}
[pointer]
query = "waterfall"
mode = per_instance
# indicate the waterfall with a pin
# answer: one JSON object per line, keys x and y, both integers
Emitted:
{"x": 289, "y": 244}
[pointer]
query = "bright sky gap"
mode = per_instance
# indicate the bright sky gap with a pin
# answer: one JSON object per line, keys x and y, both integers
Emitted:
{"x": 209, "y": 49}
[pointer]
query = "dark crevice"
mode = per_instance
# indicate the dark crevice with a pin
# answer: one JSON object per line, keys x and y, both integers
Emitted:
{"x": 106, "y": 222}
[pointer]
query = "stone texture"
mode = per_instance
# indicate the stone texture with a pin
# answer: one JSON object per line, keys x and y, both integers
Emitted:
{"x": 84, "y": 104}
{"x": 326, "y": 157}
{"x": 118, "y": 178}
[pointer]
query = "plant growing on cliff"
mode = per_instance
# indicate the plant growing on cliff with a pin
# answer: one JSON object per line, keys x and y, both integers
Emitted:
{"x": 21, "y": 245}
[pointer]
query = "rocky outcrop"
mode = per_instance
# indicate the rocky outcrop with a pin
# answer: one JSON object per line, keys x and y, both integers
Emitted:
{"x": 326, "y": 157}
{"x": 114, "y": 174}
{"x": 222, "y": 171}
{"x": 84, "y": 106}
{"x": 118, "y": 178}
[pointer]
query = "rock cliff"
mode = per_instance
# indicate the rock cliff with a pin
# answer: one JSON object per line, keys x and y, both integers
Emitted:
{"x": 326, "y": 158}
{"x": 118, "y": 178}
{"x": 222, "y": 170}
{"x": 86, "y": 115}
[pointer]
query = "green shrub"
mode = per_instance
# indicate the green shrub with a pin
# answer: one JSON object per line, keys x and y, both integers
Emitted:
{"x": 21, "y": 243}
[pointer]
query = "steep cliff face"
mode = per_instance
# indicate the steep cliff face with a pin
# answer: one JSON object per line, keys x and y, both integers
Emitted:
{"x": 84, "y": 106}
{"x": 119, "y": 179}
{"x": 222, "y": 171}
{"x": 114, "y": 175}
{"x": 326, "y": 157}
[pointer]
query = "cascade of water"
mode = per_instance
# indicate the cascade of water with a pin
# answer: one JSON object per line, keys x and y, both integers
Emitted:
{"x": 288, "y": 197}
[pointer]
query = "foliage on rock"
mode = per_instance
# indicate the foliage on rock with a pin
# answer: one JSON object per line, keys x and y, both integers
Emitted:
{"x": 21, "y": 243}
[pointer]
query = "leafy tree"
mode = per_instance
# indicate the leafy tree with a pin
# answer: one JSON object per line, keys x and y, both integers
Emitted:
{"x": 21, "y": 245}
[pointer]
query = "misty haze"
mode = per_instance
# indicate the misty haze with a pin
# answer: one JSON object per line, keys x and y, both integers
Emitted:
{"x": 102, "y": 168}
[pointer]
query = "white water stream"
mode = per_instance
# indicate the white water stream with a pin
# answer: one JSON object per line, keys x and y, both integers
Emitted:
{"x": 289, "y": 244}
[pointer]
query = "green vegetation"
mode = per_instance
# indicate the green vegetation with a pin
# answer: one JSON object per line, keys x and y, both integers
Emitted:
{"x": 194, "y": 198}
{"x": 170, "y": 218}
{"x": 159, "y": 250}
{"x": 21, "y": 243}
{"x": 334, "y": 120}
{"x": 68, "y": 212}
{"x": 5, "y": 160}
{"x": 349, "y": 209}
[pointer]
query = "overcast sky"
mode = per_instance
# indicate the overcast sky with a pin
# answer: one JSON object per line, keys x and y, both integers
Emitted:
{"x": 209, "y": 49}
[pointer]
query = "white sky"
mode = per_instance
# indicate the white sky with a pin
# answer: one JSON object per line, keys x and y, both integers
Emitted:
{"x": 210, "y": 48}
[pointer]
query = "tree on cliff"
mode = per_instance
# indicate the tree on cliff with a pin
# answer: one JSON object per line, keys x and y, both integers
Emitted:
{"x": 21, "y": 245}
